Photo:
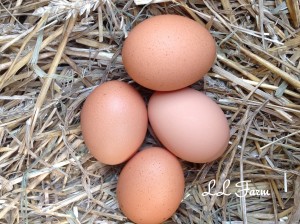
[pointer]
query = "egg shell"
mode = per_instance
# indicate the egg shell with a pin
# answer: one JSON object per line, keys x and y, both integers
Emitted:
{"x": 114, "y": 122}
{"x": 150, "y": 186}
{"x": 189, "y": 124}
{"x": 168, "y": 52}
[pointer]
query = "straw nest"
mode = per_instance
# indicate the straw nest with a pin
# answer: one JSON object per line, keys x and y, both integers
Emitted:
{"x": 53, "y": 53}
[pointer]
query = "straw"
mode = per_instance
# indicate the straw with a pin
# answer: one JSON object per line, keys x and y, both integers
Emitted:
{"x": 54, "y": 53}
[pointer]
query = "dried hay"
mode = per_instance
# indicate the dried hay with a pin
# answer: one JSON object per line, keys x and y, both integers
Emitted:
{"x": 53, "y": 53}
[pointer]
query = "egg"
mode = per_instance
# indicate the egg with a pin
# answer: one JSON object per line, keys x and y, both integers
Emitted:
{"x": 189, "y": 124}
{"x": 150, "y": 186}
{"x": 168, "y": 52}
{"x": 114, "y": 122}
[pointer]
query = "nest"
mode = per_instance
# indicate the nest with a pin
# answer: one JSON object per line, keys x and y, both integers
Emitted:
{"x": 52, "y": 55}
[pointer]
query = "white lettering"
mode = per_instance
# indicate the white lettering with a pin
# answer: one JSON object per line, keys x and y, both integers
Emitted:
{"x": 245, "y": 188}
{"x": 212, "y": 184}
{"x": 243, "y": 191}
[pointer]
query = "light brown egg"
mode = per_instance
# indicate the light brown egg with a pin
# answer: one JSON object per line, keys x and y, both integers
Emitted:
{"x": 168, "y": 52}
{"x": 150, "y": 186}
{"x": 114, "y": 122}
{"x": 189, "y": 124}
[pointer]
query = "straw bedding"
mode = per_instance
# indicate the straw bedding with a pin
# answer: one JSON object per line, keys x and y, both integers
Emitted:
{"x": 52, "y": 55}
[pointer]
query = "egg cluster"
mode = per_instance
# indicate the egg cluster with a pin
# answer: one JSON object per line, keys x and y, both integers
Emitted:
{"x": 164, "y": 53}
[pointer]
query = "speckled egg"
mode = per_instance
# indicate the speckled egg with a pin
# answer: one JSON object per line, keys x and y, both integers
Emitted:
{"x": 114, "y": 122}
{"x": 150, "y": 186}
{"x": 168, "y": 52}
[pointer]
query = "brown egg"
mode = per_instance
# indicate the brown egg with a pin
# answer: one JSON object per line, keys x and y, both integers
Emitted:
{"x": 150, "y": 186}
{"x": 189, "y": 124}
{"x": 168, "y": 52}
{"x": 114, "y": 122}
